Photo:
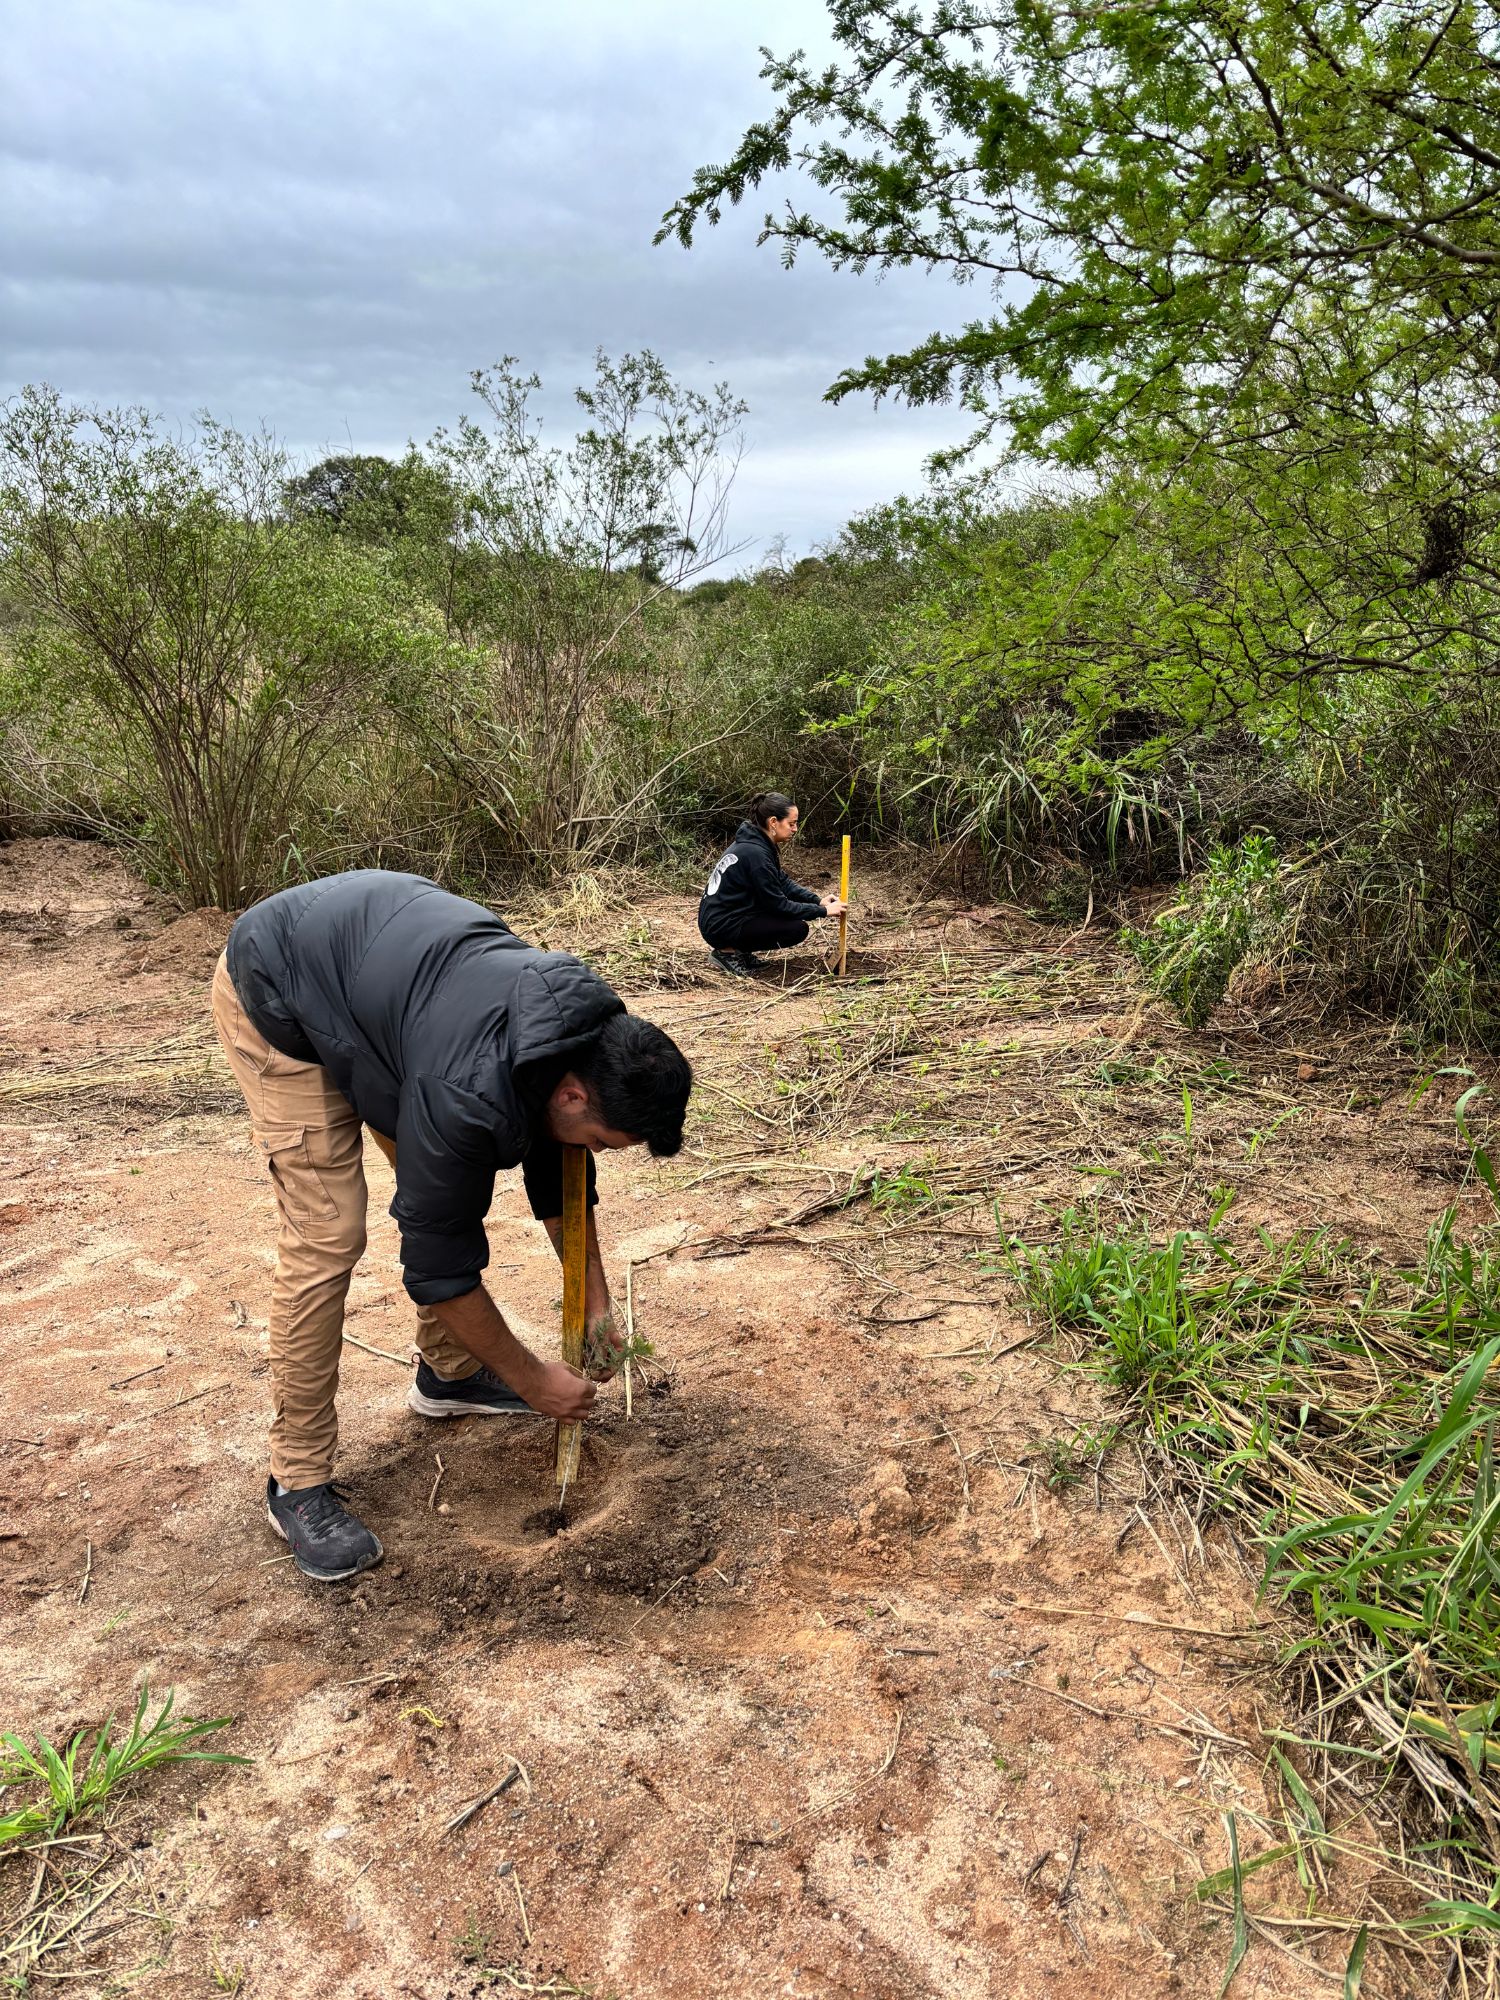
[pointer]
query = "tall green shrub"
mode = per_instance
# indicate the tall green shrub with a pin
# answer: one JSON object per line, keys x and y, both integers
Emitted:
{"x": 195, "y": 657}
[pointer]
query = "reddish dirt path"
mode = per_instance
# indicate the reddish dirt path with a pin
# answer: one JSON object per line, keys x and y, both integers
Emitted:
{"x": 786, "y": 1728}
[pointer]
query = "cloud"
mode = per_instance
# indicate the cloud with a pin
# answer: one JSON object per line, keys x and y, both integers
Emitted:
{"x": 322, "y": 217}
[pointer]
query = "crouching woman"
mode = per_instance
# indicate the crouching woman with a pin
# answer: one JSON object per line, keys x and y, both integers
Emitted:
{"x": 751, "y": 904}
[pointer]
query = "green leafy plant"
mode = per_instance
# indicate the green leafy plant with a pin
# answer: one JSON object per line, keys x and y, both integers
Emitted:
{"x": 476, "y": 1949}
{"x": 1326, "y": 189}
{"x": 1276, "y": 606}
{"x": 197, "y": 657}
{"x": 1067, "y": 1458}
{"x": 81, "y": 1778}
{"x": 1193, "y": 949}
{"x": 1258, "y": 1138}
{"x": 905, "y": 1188}
{"x": 1348, "y": 1420}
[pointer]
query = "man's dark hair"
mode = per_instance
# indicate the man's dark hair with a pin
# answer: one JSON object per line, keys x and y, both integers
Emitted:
{"x": 640, "y": 1080}
{"x": 769, "y": 805}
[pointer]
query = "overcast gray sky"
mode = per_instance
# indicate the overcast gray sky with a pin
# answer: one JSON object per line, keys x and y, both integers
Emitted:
{"x": 322, "y": 215}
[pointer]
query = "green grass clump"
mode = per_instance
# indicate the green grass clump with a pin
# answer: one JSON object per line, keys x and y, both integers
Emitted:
{"x": 1195, "y": 946}
{"x": 82, "y": 1778}
{"x": 1349, "y": 1421}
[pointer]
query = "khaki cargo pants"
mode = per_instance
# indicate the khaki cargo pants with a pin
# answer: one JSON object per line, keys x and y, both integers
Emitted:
{"x": 312, "y": 1143}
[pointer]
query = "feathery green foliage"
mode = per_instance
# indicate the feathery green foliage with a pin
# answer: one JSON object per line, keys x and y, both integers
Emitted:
{"x": 1181, "y": 213}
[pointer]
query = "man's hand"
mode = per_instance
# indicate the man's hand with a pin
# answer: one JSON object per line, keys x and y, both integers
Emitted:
{"x": 603, "y": 1348}
{"x": 834, "y": 904}
{"x": 560, "y": 1391}
{"x": 551, "y": 1387}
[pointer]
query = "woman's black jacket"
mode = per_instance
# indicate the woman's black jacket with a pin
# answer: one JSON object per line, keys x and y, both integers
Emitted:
{"x": 748, "y": 877}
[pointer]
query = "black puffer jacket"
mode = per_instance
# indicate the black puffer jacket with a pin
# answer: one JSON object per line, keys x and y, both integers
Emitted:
{"x": 747, "y": 877}
{"x": 445, "y": 1031}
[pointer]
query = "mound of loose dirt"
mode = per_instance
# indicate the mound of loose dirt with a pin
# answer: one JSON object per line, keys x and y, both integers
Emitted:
{"x": 66, "y": 874}
{"x": 189, "y": 947}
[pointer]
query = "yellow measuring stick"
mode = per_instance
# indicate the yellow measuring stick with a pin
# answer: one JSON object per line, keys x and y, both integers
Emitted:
{"x": 844, "y": 914}
{"x": 575, "y": 1270}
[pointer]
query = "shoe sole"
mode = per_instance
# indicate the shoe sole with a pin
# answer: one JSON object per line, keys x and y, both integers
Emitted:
{"x": 429, "y": 1406}
{"x": 329, "y": 1575}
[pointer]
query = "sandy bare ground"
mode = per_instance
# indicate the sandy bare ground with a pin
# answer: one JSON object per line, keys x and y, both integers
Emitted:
{"x": 846, "y": 1676}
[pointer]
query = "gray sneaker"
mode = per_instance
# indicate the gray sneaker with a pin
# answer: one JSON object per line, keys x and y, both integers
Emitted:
{"x": 481, "y": 1394}
{"x": 327, "y": 1542}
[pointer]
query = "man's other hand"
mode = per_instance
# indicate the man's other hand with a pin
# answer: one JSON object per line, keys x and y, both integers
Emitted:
{"x": 560, "y": 1391}
{"x": 834, "y": 904}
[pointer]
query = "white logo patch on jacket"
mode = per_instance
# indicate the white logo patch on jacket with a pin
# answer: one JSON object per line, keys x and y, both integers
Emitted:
{"x": 725, "y": 863}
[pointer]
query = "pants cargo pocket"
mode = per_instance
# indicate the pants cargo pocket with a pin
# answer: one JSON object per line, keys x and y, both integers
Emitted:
{"x": 300, "y": 1188}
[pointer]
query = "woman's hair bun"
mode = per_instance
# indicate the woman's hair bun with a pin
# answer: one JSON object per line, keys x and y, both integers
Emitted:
{"x": 769, "y": 805}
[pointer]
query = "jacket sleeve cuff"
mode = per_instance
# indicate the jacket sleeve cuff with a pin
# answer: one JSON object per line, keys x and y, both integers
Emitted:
{"x": 437, "y": 1265}
{"x": 437, "y": 1291}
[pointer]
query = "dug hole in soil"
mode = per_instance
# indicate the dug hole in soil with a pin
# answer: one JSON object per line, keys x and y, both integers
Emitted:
{"x": 820, "y": 1691}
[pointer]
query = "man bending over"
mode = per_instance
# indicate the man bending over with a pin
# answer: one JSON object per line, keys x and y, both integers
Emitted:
{"x": 378, "y": 999}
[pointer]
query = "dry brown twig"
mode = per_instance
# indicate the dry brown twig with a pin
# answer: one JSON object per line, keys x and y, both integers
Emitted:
{"x": 461, "y": 1818}
{"x": 382, "y": 1353}
{"x": 136, "y": 1377}
{"x": 660, "y": 1600}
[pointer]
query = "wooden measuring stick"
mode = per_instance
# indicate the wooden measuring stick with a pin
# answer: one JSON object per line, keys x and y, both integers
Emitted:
{"x": 844, "y": 914}
{"x": 575, "y": 1271}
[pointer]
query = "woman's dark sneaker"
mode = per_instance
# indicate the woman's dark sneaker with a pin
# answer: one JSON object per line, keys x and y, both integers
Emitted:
{"x": 326, "y": 1540}
{"x": 481, "y": 1394}
{"x": 732, "y": 961}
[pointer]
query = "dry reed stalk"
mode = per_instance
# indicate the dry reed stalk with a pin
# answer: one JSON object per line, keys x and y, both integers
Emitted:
{"x": 629, "y": 1335}
{"x": 193, "y": 1055}
{"x": 383, "y": 1353}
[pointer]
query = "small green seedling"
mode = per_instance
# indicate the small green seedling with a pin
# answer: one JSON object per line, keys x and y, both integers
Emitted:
{"x": 474, "y": 1946}
{"x": 902, "y": 1189}
{"x": 75, "y": 1785}
{"x": 1221, "y": 1198}
{"x": 1258, "y": 1139}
